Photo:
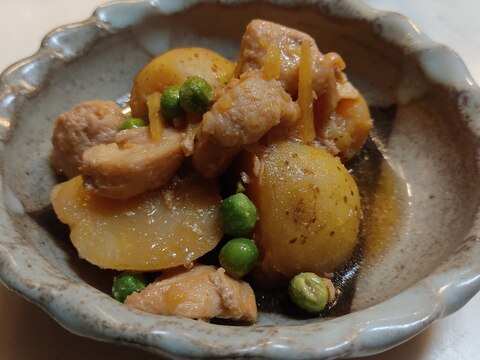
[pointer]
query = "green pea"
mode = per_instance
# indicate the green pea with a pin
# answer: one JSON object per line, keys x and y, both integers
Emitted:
{"x": 308, "y": 291}
{"x": 170, "y": 107}
{"x": 195, "y": 95}
{"x": 238, "y": 215}
{"x": 238, "y": 256}
{"x": 127, "y": 283}
{"x": 132, "y": 123}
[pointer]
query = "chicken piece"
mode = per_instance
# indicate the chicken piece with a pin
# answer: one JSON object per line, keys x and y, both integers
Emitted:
{"x": 345, "y": 130}
{"x": 342, "y": 119}
{"x": 246, "y": 110}
{"x": 204, "y": 292}
{"x": 260, "y": 34}
{"x": 134, "y": 163}
{"x": 87, "y": 124}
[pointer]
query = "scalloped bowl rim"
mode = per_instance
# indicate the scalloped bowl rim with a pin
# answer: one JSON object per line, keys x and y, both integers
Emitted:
{"x": 360, "y": 333}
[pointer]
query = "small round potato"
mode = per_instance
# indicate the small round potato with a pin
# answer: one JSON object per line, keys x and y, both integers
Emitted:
{"x": 173, "y": 68}
{"x": 309, "y": 210}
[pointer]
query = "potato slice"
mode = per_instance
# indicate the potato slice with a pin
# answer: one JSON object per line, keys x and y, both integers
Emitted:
{"x": 173, "y": 68}
{"x": 151, "y": 231}
{"x": 309, "y": 210}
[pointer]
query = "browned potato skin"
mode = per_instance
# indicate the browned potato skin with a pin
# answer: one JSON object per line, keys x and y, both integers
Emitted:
{"x": 173, "y": 68}
{"x": 309, "y": 210}
{"x": 152, "y": 231}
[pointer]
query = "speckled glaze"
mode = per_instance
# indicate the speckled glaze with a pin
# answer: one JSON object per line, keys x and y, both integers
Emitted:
{"x": 431, "y": 266}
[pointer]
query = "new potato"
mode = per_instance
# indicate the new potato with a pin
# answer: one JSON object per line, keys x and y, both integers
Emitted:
{"x": 173, "y": 68}
{"x": 309, "y": 210}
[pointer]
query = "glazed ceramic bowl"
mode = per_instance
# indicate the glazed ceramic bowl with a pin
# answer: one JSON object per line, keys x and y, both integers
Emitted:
{"x": 426, "y": 109}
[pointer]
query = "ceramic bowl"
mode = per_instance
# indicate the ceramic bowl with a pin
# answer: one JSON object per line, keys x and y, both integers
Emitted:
{"x": 426, "y": 109}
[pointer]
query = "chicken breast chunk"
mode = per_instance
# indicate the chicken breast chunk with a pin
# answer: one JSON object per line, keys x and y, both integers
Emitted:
{"x": 342, "y": 119}
{"x": 245, "y": 111}
{"x": 134, "y": 163}
{"x": 344, "y": 131}
{"x": 260, "y": 34}
{"x": 86, "y": 125}
{"x": 203, "y": 292}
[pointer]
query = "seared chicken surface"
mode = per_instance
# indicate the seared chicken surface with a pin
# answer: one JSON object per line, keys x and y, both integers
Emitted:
{"x": 245, "y": 111}
{"x": 134, "y": 163}
{"x": 203, "y": 292}
{"x": 85, "y": 125}
{"x": 334, "y": 95}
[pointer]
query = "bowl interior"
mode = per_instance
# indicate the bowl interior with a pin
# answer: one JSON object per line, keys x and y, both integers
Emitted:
{"x": 418, "y": 132}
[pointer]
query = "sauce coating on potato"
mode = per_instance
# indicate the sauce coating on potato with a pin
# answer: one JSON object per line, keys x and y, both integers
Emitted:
{"x": 173, "y": 68}
{"x": 309, "y": 210}
{"x": 151, "y": 231}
